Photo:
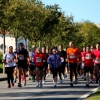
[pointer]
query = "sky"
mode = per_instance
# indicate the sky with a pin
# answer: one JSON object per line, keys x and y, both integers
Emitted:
{"x": 81, "y": 10}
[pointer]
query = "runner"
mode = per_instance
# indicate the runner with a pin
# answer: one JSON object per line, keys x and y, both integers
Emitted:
{"x": 97, "y": 62}
{"x": 62, "y": 55}
{"x": 45, "y": 64}
{"x": 73, "y": 56}
{"x": 22, "y": 56}
{"x": 15, "y": 68}
{"x": 83, "y": 73}
{"x": 87, "y": 58}
{"x": 32, "y": 66}
{"x": 55, "y": 61}
{"x": 39, "y": 57}
{"x": 8, "y": 60}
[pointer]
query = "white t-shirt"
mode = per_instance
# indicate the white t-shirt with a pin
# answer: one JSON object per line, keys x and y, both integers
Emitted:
{"x": 7, "y": 56}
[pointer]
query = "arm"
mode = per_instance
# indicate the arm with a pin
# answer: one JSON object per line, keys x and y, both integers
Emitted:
{"x": 4, "y": 59}
{"x": 49, "y": 60}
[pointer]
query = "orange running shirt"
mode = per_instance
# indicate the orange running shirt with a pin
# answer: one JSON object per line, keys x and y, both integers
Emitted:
{"x": 73, "y": 54}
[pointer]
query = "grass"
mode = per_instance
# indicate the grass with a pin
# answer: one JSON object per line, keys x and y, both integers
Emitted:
{"x": 1, "y": 65}
{"x": 1, "y": 68}
{"x": 94, "y": 96}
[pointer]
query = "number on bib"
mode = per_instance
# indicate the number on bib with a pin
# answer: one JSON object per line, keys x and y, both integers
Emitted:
{"x": 72, "y": 56}
{"x": 38, "y": 59}
{"x": 88, "y": 56}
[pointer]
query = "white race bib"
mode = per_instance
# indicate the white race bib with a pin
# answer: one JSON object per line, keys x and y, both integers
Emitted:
{"x": 62, "y": 59}
{"x": 38, "y": 59}
{"x": 72, "y": 56}
{"x": 88, "y": 56}
{"x": 97, "y": 61}
{"x": 21, "y": 57}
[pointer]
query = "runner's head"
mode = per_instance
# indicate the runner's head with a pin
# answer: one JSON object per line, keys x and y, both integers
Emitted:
{"x": 87, "y": 49}
{"x": 10, "y": 49}
{"x": 44, "y": 49}
{"x": 71, "y": 44}
{"x": 92, "y": 48}
{"x": 38, "y": 50}
{"x": 97, "y": 46}
{"x": 21, "y": 46}
{"x": 54, "y": 51}
{"x": 60, "y": 48}
{"x": 33, "y": 50}
{"x": 84, "y": 49}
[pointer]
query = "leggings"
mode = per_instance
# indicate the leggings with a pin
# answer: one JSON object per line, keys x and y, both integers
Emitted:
{"x": 73, "y": 68}
{"x": 61, "y": 70}
{"x": 9, "y": 72}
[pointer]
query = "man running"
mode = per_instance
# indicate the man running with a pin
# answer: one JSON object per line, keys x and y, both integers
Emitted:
{"x": 87, "y": 58}
{"x": 73, "y": 56}
{"x": 62, "y": 55}
{"x": 22, "y": 56}
{"x": 39, "y": 58}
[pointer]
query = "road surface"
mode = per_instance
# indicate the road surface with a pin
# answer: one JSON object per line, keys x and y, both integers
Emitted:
{"x": 47, "y": 92}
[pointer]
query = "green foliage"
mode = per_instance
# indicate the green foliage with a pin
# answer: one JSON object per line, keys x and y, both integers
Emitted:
{"x": 33, "y": 20}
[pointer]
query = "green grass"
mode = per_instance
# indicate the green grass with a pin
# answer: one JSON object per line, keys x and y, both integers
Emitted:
{"x": 94, "y": 96}
{"x": 1, "y": 65}
{"x": 1, "y": 68}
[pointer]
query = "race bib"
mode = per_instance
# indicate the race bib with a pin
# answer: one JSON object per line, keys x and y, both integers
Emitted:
{"x": 97, "y": 61}
{"x": 21, "y": 57}
{"x": 88, "y": 56}
{"x": 72, "y": 56}
{"x": 38, "y": 59}
{"x": 62, "y": 59}
{"x": 9, "y": 60}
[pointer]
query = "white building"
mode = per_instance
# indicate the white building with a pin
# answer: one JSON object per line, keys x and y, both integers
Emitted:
{"x": 10, "y": 41}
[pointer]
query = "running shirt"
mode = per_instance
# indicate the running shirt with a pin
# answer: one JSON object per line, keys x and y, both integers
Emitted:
{"x": 73, "y": 54}
{"x": 62, "y": 55}
{"x": 22, "y": 54}
{"x": 88, "y": 59}
{"x": 39, "y": 59}
{"x": 97, "y": 56}
{"x": 9, "y": 58}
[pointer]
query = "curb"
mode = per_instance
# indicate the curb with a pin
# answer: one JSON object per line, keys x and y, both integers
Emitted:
{"x": 88, "y": 94}
{"x": 3, "y": 79}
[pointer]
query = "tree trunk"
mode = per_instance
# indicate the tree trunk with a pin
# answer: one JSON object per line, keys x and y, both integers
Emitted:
{"x": 3, "y": 51}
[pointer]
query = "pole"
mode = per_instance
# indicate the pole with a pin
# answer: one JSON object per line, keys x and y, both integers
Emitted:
{"x": 3, "y": 51}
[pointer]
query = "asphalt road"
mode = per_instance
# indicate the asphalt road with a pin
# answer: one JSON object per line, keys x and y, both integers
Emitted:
{"x": 47, "y": 92}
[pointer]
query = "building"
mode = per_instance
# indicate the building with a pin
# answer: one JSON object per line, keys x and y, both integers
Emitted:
{"x": 10, "y": 41}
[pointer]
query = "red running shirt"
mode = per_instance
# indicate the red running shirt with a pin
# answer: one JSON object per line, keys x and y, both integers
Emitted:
{"x": 88, "y": 59}
{"x": 39, "y": 59}
{"x": 97, "y": 56}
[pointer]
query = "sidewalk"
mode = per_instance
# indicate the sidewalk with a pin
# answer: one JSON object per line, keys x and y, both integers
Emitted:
{"x": 3, "y": 77}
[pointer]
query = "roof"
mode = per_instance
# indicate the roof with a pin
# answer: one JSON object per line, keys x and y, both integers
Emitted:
{"x": 98, "y": 25}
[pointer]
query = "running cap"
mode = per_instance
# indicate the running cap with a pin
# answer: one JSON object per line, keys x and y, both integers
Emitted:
{"x": 54, "y": 50}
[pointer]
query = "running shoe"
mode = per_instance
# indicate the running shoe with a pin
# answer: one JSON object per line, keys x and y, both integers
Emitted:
{"x": 9, "y": 86}
{"x": 12, "y": 84}
{"x": 19, "y": 85}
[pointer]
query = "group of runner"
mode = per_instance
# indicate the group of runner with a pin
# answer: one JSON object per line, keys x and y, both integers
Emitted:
{"x": 39, "y": 64}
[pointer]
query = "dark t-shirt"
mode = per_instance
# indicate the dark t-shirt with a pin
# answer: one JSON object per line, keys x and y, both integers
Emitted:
{"x": 45, "y": 63}
{"x": 62, "y": 54}
{"x": 22, "y": 54}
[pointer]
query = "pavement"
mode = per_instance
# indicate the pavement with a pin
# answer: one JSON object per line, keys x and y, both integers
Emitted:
{"x": 62, "y": 92}
{"x": 3, "y": 77}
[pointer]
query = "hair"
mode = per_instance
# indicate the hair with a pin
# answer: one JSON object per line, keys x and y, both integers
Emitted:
{"x": 10, "y": 47}
{"x": 21, "y": 44}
